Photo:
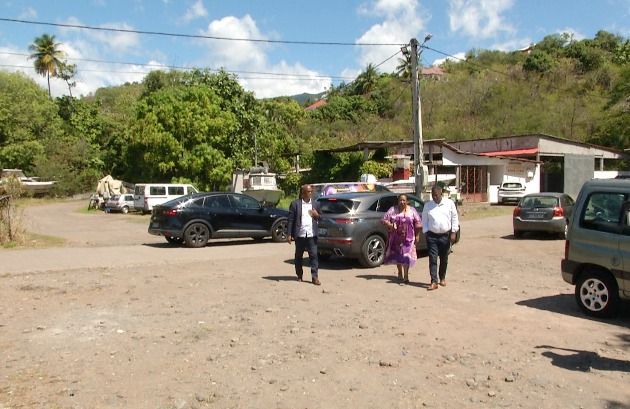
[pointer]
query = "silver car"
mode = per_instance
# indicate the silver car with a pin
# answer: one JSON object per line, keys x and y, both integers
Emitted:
{"x": 511, "y": 192}
{"x": 543, "y": 212}
{"x": 350, "y": 225}
{"x": 120, "y": 203}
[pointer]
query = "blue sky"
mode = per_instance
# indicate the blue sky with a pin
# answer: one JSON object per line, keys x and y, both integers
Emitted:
{"x": 276, "y": 68}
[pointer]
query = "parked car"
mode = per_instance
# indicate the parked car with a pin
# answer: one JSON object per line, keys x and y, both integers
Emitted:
{"x": 511, "y": 192}
{"x": 597, "y": 250}
{"x": 350, "y": 225}
{"x": 543, "y": 212}
{"x": 120, "y": 203}
{"x": 147, "y": 195}
{"x": 197, "y": 218}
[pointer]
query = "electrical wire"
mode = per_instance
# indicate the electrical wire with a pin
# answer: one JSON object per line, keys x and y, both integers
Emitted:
{"x": 207, "y": 37}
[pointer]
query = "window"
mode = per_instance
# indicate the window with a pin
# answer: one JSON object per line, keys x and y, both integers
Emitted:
{"x": 245, "y": 202}
{"x": 334, "y": 206}
{"x": 386, "y": 203}
{"x": 512, "y": 185}
{"x": 539, "y": 202}
{"x": 157, "y": 190}
{"x": 602, "y": 211}
{"x": 217, "y": 202}
{"x": 176, "y": 190}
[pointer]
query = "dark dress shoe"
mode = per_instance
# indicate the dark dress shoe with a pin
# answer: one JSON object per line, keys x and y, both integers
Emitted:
{"x": 316, "y": 281}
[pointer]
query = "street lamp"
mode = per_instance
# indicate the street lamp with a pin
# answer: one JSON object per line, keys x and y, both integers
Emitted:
{"x": 417, "y": 115}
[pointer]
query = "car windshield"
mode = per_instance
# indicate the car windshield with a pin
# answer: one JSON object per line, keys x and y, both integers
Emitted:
{"x": 115, "y": 197}
{"x": 540, "y": 201}
{"x": 335, "y": 206}
{"x": 512, "y": 185}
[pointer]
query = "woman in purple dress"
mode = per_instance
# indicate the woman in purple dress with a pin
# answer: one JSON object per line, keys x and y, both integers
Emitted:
{"x": 404, "y": 227}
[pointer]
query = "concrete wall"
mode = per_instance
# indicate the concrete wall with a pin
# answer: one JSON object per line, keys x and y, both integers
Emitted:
{"x": 577, "y": 170}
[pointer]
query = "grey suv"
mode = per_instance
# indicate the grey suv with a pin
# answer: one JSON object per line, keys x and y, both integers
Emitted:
{"x": 597, "y": 250}
{"x": 350, "y": 225}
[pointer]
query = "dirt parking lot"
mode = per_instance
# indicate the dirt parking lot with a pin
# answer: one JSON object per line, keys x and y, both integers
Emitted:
{"x": 118, "y": 319}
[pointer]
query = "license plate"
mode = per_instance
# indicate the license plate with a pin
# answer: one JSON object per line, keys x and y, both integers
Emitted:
{"x": 322, "y": 231}
{"x": 154, "y": 225}
{"x": 536, "y": 215}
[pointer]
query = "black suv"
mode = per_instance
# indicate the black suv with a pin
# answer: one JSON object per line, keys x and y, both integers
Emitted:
{"x": 196, "y": 218}
{"x": 350, "y": 225}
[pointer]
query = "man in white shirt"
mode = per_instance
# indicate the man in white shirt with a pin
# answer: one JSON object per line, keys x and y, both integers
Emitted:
{"x": 302, "y": 226}
{"x": 440, "y": 223}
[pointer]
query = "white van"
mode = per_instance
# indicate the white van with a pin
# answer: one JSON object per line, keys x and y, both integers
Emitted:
{"x": 147, "y": 195}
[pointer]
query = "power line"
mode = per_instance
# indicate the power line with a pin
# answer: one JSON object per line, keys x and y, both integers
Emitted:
{"x": 174, "y": 67}
{"x": 207, "y": 37}
{"x": 287, "y": 77}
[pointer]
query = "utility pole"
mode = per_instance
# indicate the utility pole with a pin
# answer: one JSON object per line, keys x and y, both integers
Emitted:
{"x": 416, "y": 120}
{"x": 418, "y": 154}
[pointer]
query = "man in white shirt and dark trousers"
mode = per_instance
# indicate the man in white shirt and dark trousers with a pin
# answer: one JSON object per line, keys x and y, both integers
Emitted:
{"x": 440, "y": 223}
{"x": 302, "y": 226}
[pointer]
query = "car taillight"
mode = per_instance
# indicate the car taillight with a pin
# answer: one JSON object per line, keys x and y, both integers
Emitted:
{"x": 344, "y": 221}
{"x": 170, "y": 212}
{"x": 558, "y": 212}
{"x": 517, "y": 211}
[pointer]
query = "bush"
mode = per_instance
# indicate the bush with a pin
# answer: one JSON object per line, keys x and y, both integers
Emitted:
{"x": 11, "y": 228}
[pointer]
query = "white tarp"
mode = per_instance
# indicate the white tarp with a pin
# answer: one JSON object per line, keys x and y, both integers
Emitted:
{"x": 108, "y": 186}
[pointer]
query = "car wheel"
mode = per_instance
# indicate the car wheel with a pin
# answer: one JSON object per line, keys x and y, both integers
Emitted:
{"x": 279, "y": 231}
{"x": 196, "y": 235}
{"x": 173, "y": 240}
{"x": 125, "y": 210}
{"x": 518, "y": 234}
{"x": 372, "y": 251}
{"x": 596, "y": 293}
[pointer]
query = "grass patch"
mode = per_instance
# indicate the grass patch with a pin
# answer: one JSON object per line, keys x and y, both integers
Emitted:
{"x": 482, "y": 210}
{"x": 36, "y": 241}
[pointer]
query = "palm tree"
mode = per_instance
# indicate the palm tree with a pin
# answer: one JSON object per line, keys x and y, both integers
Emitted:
{"x": 366, "y": 81}
{"x": 47, "y": 56}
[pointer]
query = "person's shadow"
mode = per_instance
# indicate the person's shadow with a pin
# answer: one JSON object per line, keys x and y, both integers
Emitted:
{"x": 584, "y": 361}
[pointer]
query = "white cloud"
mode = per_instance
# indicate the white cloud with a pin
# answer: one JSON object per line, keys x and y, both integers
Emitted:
{"x": 479, "y": 18}
{"x": 197, "y": 10}
{"x": 401, "y": 22}
{"x": 235, "y": 53}
{"x": 28, "y": 13}
{"x": 458, "y": 58}
{"x": 252, "y": 57}
{"x": 118, "y": 42}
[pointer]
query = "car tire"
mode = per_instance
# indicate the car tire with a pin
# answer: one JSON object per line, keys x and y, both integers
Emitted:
{"x": 279, "y": 231}
{"x": 597, "y": 294}
{"x": 518, "y": 234}
{"x": 125, "y": 210}
{"x": 372, "y": 251}
{"x": 174, "y": 240}
{"x": 196, "y": 235}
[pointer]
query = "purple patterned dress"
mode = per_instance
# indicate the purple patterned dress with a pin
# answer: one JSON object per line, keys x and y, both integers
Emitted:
{"x": 401, "y": 247}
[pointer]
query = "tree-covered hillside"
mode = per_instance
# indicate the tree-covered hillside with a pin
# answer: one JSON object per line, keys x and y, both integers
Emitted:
{"x": 199, "y": 126}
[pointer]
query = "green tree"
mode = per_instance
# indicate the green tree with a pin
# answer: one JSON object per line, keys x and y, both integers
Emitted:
{"x": 47, "y": 56}
{"x": 67, "y": 72}
{"x": 28, "y": 118}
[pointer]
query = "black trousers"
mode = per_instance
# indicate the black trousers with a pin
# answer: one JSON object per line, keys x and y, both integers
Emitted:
{"x": 310, "y": 245}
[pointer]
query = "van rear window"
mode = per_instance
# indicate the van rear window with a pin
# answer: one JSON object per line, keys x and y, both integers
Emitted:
{"x": 335, "y": 206}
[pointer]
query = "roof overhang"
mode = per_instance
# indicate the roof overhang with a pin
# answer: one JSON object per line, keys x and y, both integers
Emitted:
{"x": 514, "y": 152}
